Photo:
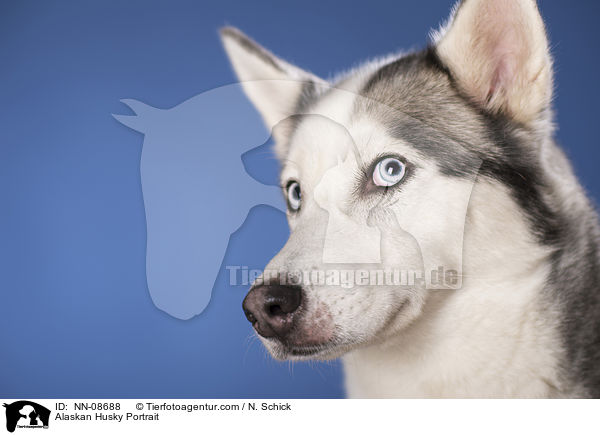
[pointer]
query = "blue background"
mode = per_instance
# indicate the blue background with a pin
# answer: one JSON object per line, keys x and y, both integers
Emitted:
{"x": 76, "y": 319}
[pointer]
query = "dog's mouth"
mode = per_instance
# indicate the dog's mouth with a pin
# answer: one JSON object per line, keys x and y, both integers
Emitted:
{"x": 285, "y": 351}
{"x": 306, "y": 351}
{"x": 302, "y": 352}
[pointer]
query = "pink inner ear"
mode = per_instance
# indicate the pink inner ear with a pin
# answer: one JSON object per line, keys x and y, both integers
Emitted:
{"x": 503, "y": 76}
{"x": 506, "y": 41}
{"x": 498, "y": 53}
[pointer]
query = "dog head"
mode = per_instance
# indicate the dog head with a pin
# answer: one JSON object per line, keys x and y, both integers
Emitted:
{"x": 378, "y": 169}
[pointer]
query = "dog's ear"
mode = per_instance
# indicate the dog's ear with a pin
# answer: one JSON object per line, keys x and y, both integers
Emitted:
{"x": 497, "y": 52}
{"x": 275, "y": 87}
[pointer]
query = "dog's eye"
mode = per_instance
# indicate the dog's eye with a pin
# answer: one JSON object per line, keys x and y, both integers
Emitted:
{"x": 388, "y": 172}
{"x": 293, "y": 195}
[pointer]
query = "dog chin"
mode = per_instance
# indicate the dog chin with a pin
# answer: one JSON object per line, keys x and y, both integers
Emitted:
{"x": 286, "y": 352}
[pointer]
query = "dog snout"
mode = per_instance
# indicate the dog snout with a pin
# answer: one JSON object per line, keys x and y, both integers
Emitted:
{"x": 271, "y": 308}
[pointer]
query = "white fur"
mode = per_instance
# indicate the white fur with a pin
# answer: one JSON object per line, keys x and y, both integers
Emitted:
{"x": 492, "y": 338}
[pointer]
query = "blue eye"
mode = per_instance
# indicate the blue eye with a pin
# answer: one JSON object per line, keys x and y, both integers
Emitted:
{"x": 294, "y": 195}
{"x": 388, "y": 172}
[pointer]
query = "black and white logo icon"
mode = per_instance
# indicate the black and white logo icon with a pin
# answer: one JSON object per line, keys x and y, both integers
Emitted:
{"x": 26, "y": 414}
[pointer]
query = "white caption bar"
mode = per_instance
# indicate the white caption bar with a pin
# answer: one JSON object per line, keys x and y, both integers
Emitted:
{"x": 159, "y": 416}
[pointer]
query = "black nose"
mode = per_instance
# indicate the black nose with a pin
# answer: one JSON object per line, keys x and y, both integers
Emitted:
{"x": 271, "y": 308}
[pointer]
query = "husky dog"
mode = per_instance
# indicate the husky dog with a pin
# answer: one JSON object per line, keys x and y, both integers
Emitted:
{"x": 470, "y": 113}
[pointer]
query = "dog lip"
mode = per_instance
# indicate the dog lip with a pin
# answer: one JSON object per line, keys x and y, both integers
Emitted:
{"x": 298, "y": 351}
{"x": 307, "y": 351}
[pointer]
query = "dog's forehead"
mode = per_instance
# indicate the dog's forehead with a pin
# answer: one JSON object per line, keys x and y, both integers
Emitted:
{"x": 337, "y": 131}
{"x": 321, "y": 143}
{"x": 406, "y": 107}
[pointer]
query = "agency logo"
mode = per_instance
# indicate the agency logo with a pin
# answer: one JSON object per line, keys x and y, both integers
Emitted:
{"x": 197, "y": 191}
{"x": 24, "y": 414}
